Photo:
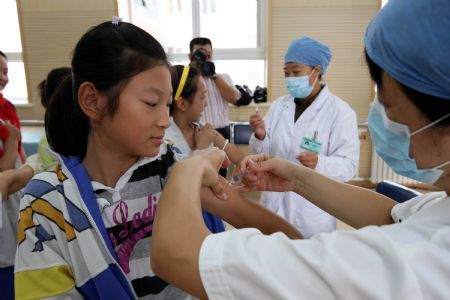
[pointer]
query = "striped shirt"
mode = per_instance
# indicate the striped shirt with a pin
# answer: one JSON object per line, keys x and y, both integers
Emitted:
{"x": 216, "y": 112}
{"x": 128, "y": 213}
{"x": 59, "y": 237}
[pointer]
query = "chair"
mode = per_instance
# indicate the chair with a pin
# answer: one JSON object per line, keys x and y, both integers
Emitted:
{"x": 240, "y": 133}
{"x": 395, "y": 191}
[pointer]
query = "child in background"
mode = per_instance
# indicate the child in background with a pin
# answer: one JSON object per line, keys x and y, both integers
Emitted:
{"x": 46, "y": 89}
{"x": 12, "y": 146}
{"x": 188, "y": 103}
{"x": 185, "y": 133}
{"x": 11, "y": 156}
{"x": 86, "y": 226}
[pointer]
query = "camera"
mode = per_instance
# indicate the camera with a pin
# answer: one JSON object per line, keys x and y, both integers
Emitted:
{"x": 260, "y": 94}
{"x": 199, "y": 58}
{"x": 246, "y": 95}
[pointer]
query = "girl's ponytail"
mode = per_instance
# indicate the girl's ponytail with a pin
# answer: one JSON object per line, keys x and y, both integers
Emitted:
{"x": 66, "y": 125}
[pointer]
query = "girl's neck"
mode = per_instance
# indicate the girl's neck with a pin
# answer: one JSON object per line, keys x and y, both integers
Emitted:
{"x": 182, "y": 122}
{"x": 104, "y": 165}
{"x": 186, "y": 127}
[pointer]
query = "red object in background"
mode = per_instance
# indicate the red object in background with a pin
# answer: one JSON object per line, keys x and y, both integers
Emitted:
{"x": 8, "y": 113}
{"x": 4, "y": 132}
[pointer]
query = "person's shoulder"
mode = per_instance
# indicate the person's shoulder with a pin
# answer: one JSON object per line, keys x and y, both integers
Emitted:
{"x": 282, "y": 100}
{"x": 44, "y": 185}
{"x": 341, "y": 106}
{"x": 224, "y": 75}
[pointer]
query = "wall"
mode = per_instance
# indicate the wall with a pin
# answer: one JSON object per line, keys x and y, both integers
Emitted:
{"x": 50, "y": 30}
{"x": 339, "y": 24}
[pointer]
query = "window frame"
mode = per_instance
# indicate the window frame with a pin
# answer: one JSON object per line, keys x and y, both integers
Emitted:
{"x": 257, "y": 53}
{"x": 17, "y": 57}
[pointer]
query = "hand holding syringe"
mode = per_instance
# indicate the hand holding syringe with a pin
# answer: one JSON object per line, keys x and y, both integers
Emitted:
{"x": 238, "y": 177}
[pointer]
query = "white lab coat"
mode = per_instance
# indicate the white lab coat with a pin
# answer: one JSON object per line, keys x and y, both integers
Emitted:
{"x": 406, "y": 260}
{"x": 337, "y": 130}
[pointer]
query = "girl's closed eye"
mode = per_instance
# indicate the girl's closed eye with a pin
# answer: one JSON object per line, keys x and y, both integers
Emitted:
{"x": 151, "y": 103}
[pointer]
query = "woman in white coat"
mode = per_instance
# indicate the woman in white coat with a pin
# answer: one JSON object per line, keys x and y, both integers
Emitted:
{"x": 310, "y": 126}
{"x": 400, "y": 251}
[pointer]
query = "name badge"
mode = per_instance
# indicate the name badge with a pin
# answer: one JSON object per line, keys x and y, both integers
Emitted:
{"x": 311, "y": 145}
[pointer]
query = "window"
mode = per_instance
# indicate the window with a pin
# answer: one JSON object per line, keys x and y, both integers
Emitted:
{"x": 11, "y": 45}
{"x": 235, "y": 27}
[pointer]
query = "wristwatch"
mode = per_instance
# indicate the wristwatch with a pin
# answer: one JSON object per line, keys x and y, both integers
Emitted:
{"x": 214, "y": 76}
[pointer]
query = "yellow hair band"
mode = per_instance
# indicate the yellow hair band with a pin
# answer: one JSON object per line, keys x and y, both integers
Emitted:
{"x": 180, "y": 88}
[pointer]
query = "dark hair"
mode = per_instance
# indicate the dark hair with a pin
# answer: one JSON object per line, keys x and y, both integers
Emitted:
{"x": 190, "y": 87}
{"x": 108, "y": 56}
{"x": 4, "y": 55}
{"x": 432, "y": 107}
{"x": 49, "y": 85}
{"x": 202, "y": 41}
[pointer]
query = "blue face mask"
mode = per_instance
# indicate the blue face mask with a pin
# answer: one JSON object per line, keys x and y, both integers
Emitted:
{"x": 392, "y": 140}
{"x": 299, "y": 86}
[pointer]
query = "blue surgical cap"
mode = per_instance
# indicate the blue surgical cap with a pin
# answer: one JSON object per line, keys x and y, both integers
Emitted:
{"x": 410, "y": 40}
{"x": 307, "y": 51}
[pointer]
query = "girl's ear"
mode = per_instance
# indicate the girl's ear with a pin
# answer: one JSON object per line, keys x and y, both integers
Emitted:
{"x": 91, "y": 101}
{"x": 181, "y": 104}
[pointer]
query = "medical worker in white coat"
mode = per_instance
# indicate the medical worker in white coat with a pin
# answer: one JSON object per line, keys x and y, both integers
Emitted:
{"x": 309, "y": 126}
{"x": 400, "y": 251}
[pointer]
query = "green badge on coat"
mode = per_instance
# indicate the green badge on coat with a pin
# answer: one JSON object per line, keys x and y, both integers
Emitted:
{"x": 311, "y": 145}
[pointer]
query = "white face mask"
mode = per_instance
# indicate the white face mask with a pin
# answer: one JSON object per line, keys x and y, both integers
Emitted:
{"x": 392, "y": 141}
{"x": 299, "y": 86}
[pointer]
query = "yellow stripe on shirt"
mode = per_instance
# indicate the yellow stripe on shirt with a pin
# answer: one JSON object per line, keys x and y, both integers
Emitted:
{"x": 43, "y": 283}
{"x": 45, "y": 209}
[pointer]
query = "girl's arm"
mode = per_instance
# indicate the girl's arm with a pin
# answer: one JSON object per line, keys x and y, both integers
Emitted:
{"x": 13, "y": 180}
{"x": 232, "y": 151}
{"x": 241, "y": 212}
{"x": 179, "y": 229}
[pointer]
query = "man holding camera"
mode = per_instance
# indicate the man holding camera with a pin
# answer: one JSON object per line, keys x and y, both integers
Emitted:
{"x": 221, "y": 90}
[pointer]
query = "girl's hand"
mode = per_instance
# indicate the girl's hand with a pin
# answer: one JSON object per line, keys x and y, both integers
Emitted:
{"x": 210, "y": 160}
{"x": 263, "y": 173}
{"x": 204, "y": 136}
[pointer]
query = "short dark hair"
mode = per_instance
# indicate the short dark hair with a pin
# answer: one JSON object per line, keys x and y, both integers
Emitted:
{"x": 108, "y": 55}
{"x": 49, "y": 85}
{"x": 432, "y": 107}
{"x": 202, "y": 41}
{"x": 3, "y": 54}
{"x": 190, "y": 86}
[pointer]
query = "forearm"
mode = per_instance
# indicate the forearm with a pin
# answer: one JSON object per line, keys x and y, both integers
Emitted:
{"x": 20, "y": 178}
{"x": 8, "y": 160}
{"x": 179, "y": 230}
{"x": 232, "y": 151}
{"x": 353, "y": 205}
{"x": 243, "y": 213}
{"x": 228, "y": 92}
{"x": 253, "y": 215}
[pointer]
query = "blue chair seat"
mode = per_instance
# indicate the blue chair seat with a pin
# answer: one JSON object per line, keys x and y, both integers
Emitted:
{"x": 240, "y": 133}
{"x": 395, "y": 191}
